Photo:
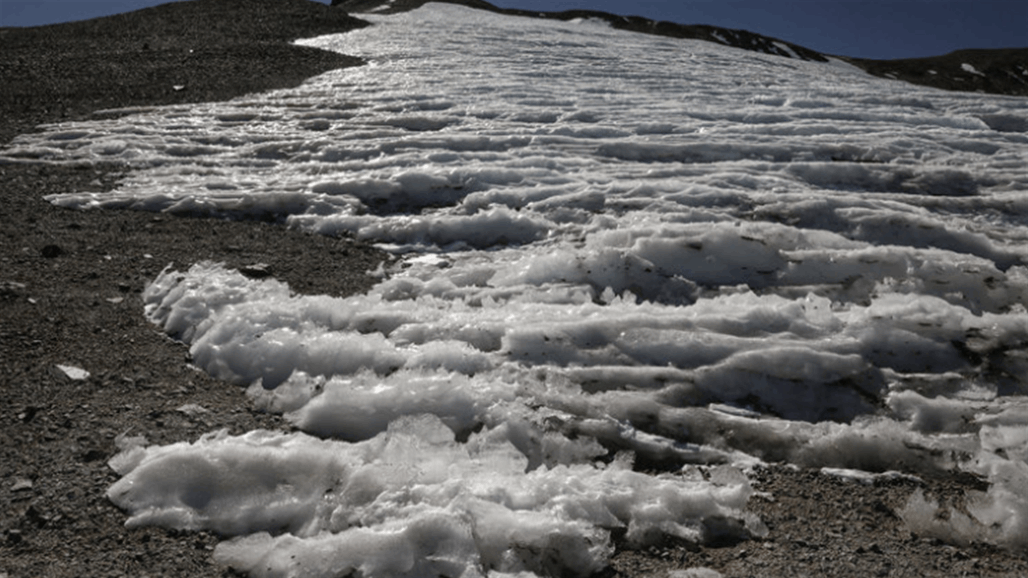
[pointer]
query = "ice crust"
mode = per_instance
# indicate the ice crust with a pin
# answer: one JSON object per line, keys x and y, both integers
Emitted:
{"x": 609, "y": 245}
{"x": 413, "y": 502}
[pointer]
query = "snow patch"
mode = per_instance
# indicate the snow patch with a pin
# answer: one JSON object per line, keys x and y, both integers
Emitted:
{"x": 602, "y": 251}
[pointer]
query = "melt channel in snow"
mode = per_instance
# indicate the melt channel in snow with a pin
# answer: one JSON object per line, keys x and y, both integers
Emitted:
{"x": 612, "y": 247}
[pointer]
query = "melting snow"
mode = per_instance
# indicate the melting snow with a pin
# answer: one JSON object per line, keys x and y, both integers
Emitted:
{"x": 614, "y": 247}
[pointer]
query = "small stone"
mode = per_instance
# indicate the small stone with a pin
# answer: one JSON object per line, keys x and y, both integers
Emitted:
{"x": 27, "y": 414}
{"x": 11, "y": 288}
{"x": 256, "y": 271}
{"x": 21, "y": 485}
{"x": 71, "y": 372}
{"x": 93, "y": 455}
{"x": 192, "y": 409}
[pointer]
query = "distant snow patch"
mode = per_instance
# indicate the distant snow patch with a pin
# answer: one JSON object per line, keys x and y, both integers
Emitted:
{"x": 970, "y": 68}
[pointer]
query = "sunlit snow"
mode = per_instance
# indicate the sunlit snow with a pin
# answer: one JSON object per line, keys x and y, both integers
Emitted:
{"x": 614, "y": 249}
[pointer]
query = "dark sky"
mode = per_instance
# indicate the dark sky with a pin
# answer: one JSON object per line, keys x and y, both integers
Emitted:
{"x": 864, "y": 28}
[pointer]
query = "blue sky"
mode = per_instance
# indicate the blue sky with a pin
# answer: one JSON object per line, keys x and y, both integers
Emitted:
{"x": 864, "y": 28}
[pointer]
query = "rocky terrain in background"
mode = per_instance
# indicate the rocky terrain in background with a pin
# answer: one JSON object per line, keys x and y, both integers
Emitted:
{"x": 168, "y": 54}
{"x": 70, "y": 286}
{"x": 997, "y": 71}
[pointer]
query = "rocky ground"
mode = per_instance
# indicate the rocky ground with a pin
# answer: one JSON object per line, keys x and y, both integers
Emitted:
{"x": 70, "y": 285}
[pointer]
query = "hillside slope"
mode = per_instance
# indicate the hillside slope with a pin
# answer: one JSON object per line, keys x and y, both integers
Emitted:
{"x": 1001, "y": 71}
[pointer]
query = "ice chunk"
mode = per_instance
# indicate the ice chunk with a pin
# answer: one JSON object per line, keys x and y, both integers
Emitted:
{"x": 411, "y": 500}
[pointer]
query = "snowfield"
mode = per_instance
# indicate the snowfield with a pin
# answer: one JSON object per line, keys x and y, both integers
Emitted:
{"x": 612, "y": 249}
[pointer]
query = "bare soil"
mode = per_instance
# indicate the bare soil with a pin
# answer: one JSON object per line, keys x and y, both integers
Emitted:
{"x": 70, "y": 284}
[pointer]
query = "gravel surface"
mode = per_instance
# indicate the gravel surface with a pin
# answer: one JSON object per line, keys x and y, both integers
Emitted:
{"x": 70, "y": 285}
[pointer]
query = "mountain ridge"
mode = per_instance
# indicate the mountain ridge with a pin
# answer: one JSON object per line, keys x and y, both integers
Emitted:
{"x": 995, "y": 71}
